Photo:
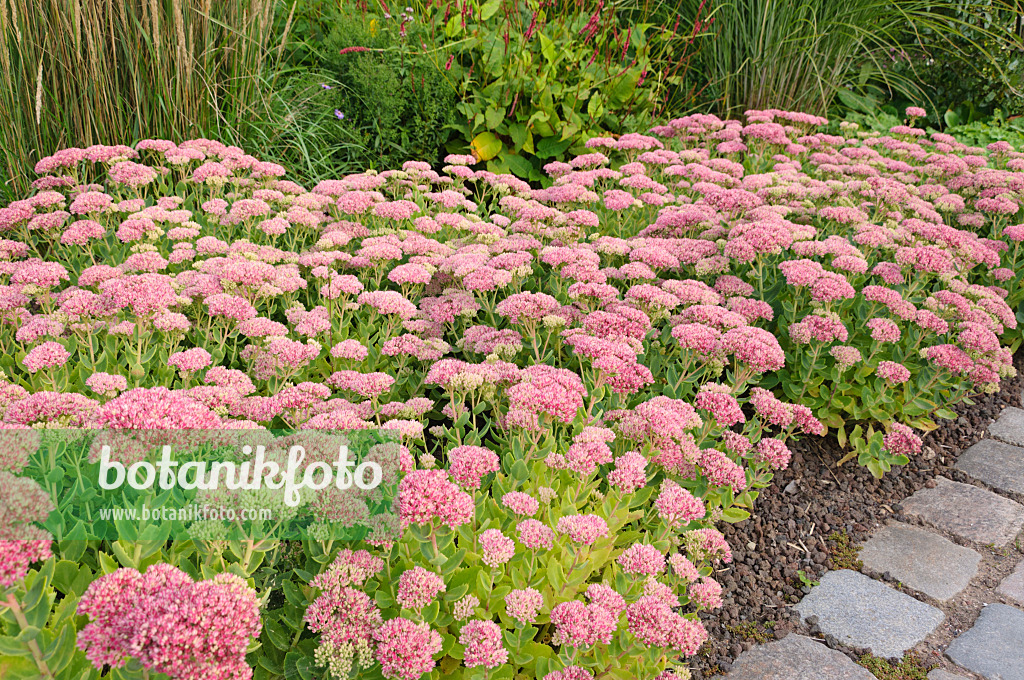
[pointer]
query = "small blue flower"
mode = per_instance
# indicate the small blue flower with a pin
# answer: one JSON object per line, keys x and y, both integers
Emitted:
{"x": 326, "y": 86}
{"x": 339, "y": 114}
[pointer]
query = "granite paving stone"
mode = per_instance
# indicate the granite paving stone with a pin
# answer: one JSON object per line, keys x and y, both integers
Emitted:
{"x": 1013, "y": 585}
{"x": 995, "y": 463}
{"x": 1009, "y": 426}
{"x": 795, "y": 657}
{"x": 861, "y": 612}
{"x": 939, "y": 674}
{"x": 968, "y": 512}
{"x": 921, "y": 559}
{"x": 994, "y": 646}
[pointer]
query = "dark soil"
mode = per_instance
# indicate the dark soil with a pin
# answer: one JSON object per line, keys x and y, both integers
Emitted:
{"x": 812, "y": 518}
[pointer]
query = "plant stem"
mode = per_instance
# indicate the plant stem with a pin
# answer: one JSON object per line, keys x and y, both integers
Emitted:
{"x": 33, "y": 646}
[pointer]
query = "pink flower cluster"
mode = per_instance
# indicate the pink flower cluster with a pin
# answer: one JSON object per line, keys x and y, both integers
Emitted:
{"x": 171, "y": 624}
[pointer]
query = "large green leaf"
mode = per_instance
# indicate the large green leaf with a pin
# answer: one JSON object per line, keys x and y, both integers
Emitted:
{"x": 486, "y": 146}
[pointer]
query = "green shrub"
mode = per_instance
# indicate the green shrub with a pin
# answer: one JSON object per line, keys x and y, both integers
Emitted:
{"x": 397, "y": 105}
{"x": 535, "y": 80}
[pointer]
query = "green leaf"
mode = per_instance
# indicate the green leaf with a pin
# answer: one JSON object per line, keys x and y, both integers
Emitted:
{"x": 547, "y": 48}
{"x": 622, "y": 89}
{"x": 486, "y": 146}
{"x": 489, "y": 9}
{"x": 493, "y": 117}
{"x": 10, "y": 646}
{"x": 733, "y": 515}
{"x": 27, "y": 634}
{"x": 298, "y": 664}
{"x": 62, "y": 650}
{"x": 556, "y": 576}
{"x": 520, "y": 167}
{"x": 857, "y": 102}
{"x": 549, "y": 147}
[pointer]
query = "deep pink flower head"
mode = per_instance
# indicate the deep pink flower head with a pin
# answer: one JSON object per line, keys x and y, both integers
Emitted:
{"x": 544, "y": 389}
{"x": 774, "y": 453}
{"x": 719, "y": 401}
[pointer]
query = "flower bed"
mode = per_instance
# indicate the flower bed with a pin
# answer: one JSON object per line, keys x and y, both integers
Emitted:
{"x": 582, "y": 376}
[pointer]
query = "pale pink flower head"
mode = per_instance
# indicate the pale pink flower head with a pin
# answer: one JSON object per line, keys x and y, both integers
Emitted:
{"x": 642, "y": 559}
{"x": 16, "y": 556}
{"x": 584, "y": 529}
{"x": 470, "y": 464}
{"x": 676, "y": 506}
{"x": 497, "y": 548}
{"x": 571, "y": 672}
{"x": 405, "y": 650}
{"x": 892, "y": 372}
{"x": 352, "y": 350}
{"x": 190, "y": 360}
{"x": 523, "y": 605}
{"x": 418, "y": 587}
{"x": 707, "y": 594}
{"x": 482, "y": 642}
{"x": 534, "y": 534}
{"x": 47, "y": 355}
{"x": 465, "y": 607}
{"x": 901, "y": 441}
{"x": 105, "y": 384}
{"x": 884, "y": 330}
{"x": 520, "y": 503}
{"x": 845, "y": 356}
{"x": 580, "y": 625}
{"x": 653, "y": 622}
{"x": 630, "y": 473}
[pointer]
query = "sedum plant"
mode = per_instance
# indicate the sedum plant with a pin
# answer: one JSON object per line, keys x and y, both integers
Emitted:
{"x": 584, "y": 379}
